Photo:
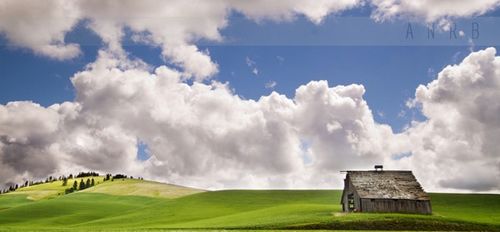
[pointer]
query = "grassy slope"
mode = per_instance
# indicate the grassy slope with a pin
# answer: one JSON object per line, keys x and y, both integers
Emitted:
{"x": 12, "y": 200}
{"x": 238, "y": 209}
{"x": 52, "y": 189}
{"x": 142, "y": 188}
{"x": 234, "y": 209}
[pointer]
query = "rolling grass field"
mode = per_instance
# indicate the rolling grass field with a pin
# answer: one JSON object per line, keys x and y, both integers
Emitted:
{"x": 127, "y": 205}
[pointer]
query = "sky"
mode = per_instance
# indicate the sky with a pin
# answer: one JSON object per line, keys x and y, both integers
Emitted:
{"x": 251, "y": 94}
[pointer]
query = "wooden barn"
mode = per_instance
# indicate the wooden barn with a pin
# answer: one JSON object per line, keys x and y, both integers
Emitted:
{"x": 384, "y": 191}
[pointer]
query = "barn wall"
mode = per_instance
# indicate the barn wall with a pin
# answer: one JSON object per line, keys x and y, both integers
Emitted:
{"x": 357, "y": 202}
{"x": 349, "y": 189}
{"x": 396, "y": 205}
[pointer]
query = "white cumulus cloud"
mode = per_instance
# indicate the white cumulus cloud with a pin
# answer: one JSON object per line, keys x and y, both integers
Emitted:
{"x": 457, "y": 146}
{"x": 200, "y": 134}
{"x": 40, "y": 26}
{"x": 205, "y": 135}
{"x": 173, "y": 25}
{"x": 430, "y": 10}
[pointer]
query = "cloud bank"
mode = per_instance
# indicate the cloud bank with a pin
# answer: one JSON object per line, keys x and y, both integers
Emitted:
{"x": 175, "y": 25}
{"x": 430, "y": 10}
{"x": 204, "y": 135}
{"x": 200, "y": 134}
{"x": 172, "y": 25}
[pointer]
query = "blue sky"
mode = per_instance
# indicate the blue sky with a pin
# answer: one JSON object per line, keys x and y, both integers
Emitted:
{"x": 281, "y": 53}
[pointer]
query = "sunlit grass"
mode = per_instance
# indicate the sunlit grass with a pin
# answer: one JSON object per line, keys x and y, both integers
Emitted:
{"x": 52, "y": 189}
{"x": 120, "y": 210}
{"x": 135, "y": 187}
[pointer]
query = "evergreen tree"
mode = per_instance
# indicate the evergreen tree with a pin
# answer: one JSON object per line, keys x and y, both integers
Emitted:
{"x": 92, "y": 182}
{"x": 87, "y": 184}
{"x": 65, "y": 181}
{"x": 68, "y": 190}
{"x": 75, "y": 185}
{"x": 82, "y": 185}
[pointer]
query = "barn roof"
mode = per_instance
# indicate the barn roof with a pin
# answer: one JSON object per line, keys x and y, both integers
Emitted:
{"x": 387, "y": 185}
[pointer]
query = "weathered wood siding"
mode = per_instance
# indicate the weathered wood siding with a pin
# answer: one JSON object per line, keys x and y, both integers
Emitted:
{"x": 349, "y": 189}
{"x": 396, "y": 205}
{"x": 385, "y": 191}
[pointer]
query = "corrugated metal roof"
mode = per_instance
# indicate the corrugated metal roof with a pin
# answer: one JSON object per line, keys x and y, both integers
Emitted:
{"x": 387, "y": 185}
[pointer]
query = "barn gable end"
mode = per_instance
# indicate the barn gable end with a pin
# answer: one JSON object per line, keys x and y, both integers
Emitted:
{"x": 384, "y": 191}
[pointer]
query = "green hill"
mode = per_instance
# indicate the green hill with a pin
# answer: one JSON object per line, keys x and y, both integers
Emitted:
{"x": 51, "y": 189}
{"x": 128, "y": 205}
{"x": 134, "y": 187}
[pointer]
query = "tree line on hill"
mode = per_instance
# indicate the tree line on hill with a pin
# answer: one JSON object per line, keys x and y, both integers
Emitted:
{"x": 87, "y": 174}
{"x": 83, "y": 185}
{"x": 75, "y": 187}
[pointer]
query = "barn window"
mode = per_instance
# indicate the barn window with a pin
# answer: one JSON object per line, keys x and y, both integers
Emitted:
{"x": 350, "y": 202}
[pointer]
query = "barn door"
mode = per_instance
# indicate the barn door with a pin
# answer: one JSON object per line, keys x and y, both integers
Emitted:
{"x": 350, "y": 202}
